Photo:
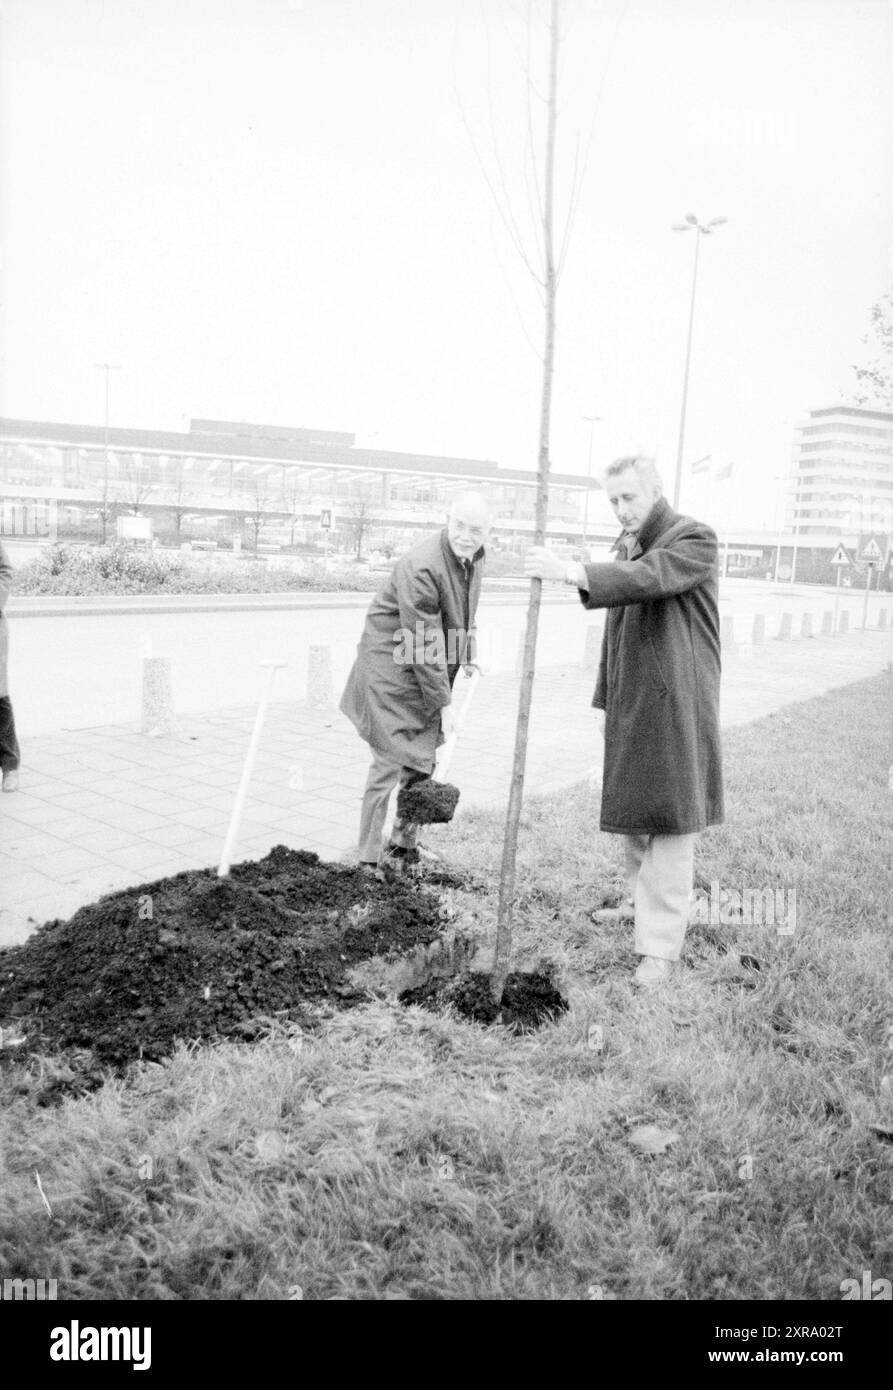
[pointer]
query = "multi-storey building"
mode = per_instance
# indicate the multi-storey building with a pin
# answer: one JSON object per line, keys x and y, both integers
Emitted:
{"x": 842, "y": 475}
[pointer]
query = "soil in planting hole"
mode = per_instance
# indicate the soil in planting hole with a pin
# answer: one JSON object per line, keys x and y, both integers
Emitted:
{"x": 200, "y": 957}
{"x": 528, "y": 1000}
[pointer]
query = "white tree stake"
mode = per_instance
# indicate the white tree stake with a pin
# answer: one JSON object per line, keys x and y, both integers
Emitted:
{"x": 250, "y": 756}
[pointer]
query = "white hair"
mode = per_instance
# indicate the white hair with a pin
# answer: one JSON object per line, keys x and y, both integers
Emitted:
{"x": 473, "y": 498}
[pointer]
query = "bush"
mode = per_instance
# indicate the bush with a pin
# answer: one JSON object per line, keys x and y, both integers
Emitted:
{"x": 119, "y": 569}
{"x": 84, "y": 570}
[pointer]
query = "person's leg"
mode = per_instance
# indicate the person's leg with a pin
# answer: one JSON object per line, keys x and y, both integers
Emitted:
{"x": 635, "y": 847}
{"x": 381, "y": 781}
{"x": 663, "y": 896}
{"x": 405, "y": 833}
{"x": 9, "y": 746}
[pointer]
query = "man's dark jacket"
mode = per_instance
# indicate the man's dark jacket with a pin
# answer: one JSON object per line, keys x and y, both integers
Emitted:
{"x": 418, "y": 633}
{"x": 658, "y": 679}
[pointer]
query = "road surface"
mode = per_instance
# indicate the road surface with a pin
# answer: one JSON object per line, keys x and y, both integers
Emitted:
{"x": 79, "y": 671}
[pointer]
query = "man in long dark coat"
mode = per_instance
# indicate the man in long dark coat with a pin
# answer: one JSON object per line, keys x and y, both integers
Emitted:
{"x": 418, "y": 632}
{"x": 658, "y": 686}
{"x": 9, "y": 747}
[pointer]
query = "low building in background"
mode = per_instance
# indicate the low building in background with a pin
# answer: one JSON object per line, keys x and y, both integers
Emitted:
{"x": 264, "y": 489}
{"x": 271, "y": 486}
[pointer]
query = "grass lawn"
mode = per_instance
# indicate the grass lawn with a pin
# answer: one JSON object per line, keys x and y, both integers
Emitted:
{"x": 392, "y": 1153}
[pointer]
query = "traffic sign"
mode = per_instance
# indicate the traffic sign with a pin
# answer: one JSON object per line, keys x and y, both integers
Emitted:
{"x": 325, "y": 519}
{"x": 870, "y": 554}
{"x": 840, "y": 556}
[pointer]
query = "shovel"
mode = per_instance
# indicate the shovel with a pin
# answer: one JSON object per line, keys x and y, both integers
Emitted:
{"x": 229, "y": 844}
{"x": 432, "y": 801}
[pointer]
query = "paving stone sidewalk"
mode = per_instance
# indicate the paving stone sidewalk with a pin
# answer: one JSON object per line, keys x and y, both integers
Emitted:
{"x": 107, "y": 808}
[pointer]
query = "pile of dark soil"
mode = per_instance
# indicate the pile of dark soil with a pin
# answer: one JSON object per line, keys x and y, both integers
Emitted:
{"x": 198, "y": 957}
{"x": 528, "y": 1000}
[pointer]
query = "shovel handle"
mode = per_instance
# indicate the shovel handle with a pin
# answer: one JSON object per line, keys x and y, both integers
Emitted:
{"x": 448, "y": 748}
{"x": 229, "y": 843}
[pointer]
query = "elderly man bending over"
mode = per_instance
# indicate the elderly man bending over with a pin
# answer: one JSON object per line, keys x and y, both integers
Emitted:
{"x": 418, "y": 632}
{"x": 658, "y": 690}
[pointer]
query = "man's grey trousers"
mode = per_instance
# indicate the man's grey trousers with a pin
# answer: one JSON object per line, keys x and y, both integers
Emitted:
{"x": 659, "y": 879}
{"x": 383, "y": 777}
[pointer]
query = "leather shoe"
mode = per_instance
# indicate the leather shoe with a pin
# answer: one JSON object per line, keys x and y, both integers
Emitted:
{"x": 653, "y": 970}
{"x": 613, "y": 916}
{"x": 397, "y": 862}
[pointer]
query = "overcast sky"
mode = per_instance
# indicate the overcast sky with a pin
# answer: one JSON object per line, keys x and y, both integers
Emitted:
{"x": 281, "y": 211}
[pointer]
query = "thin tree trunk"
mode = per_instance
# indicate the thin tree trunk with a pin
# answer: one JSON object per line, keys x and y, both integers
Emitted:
{"x": 516, "y": 793}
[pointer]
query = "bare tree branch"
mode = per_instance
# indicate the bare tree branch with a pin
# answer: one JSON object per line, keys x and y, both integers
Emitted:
{"x": 507, "y": 200}
{"x": 576, "y": 192}
{"x": 502, "y": 204}
{"x": 524, "y": 63}
{"x": 530, "y": 141}
{"x": 538, "y": 352}
{"x": 506, "y": 222}
{"x": 359, "y": 520}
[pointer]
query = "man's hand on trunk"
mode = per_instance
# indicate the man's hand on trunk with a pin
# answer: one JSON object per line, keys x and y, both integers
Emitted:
{"x": 542, "y": 563}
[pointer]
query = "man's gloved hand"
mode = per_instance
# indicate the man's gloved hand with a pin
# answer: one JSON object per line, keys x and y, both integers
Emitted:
{"x": 469, "y": 668}
{"x": 600, "y": 722}
{"x": 541, "y": 563}
{"x": 447, "y": 721}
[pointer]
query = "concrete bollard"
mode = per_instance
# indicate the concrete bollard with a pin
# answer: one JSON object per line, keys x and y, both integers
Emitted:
{"x": 827, "y": 623}
{"x": 158, "y": 717}
{"x": 784, "y": 629}
{"x": 319, "y": 678}
{"x": 806, "y": 625}
{"x": 843, "y": 622}
{"x": 592, "y": 648}
{"x": 759, "y": 627}
{"x": 882, "y": 619}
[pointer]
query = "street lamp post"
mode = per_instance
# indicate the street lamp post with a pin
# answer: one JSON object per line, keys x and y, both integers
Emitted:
{"x": 108, "y": 368}
{"x": 592, "y": 420}
{"x": 702, "y": 229}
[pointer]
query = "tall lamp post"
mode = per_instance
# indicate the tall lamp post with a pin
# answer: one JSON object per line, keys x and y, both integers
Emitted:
{"x": 108, "y": 368}
{"x": 701, "y": 229}
{"x": 592, "y": 420}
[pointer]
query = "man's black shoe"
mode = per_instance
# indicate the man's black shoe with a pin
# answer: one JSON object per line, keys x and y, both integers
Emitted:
{"x": 397, "y": 860}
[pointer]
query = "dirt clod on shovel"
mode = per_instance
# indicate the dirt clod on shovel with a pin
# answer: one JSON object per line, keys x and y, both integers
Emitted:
{"x": 528, "y": 1000}
{"x": 428, "y": 802}
{"x": 199, "y": 957}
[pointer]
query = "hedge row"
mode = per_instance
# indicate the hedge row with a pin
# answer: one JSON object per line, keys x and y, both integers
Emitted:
{"x": 119, "y": 569}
